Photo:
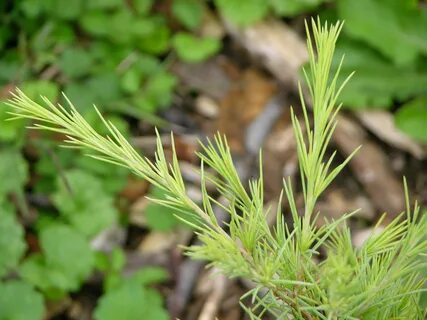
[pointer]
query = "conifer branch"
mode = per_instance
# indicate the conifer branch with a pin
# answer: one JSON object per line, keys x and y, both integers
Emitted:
{"x": 380, "y": 280}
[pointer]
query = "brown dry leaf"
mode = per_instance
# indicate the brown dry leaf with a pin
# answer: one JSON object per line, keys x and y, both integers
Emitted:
{"x": 136, "y": 212}
{"x": 134, "y": 189}
{"x": 279, "y": 159}
{"x": 370, "y": 166}
{"x": 206, "y": 106}
{"x": 156, "y": 242}
{"x": 55, "y": 308}
{"x": 336, "y": 203}
{"x": 279, "y": 48}
{"x": 209, "y": 77}
{"x": 381, "y": 123}
{"x": 359, "y": 237}
{"x": 243, "y": 103}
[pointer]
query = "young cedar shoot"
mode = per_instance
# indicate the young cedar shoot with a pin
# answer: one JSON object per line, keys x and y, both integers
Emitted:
{"x": 379, "y": 280}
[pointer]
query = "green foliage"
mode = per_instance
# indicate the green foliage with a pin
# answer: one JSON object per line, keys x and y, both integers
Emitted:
{"x": 149, "y": 276}
{"x": 38, "y": 88}
{"x": 65, "y": 262}
{"x": 389, "y": 54}
{"x": 412, "y": 118}
{"x": 379, "y": 83}
{"x": 158, "y": 88}
{"x": 13, "y": 171}
{"x": 294, "y": 7}
{"x": 398, "y": 35}
{"x": 83, "y": 202}
{"x": 380, "y": 280}
{"x": 243, "y": 12}
{"x": 19, "y": 301}
{"x": 102, "y": 48}
{"x": 192, "y": 49}
{"x": 12, "y": 244}
{"x": 188, "y": 12}
{"x": 131, "y": 301}
{"x": 111, "y": 265}
{"x": 247, "y": 12}
{"x": 75, "y": 62}
{"x": 129, "y": 298}
{"x": 158, "y": 217}
{"x": 10, "y": 131}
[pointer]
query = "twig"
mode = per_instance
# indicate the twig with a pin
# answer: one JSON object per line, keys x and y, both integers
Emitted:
{"x": 211, "y": 306}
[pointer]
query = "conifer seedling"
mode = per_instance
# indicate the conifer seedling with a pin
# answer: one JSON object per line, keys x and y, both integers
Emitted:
{"x": 382, "y": 279}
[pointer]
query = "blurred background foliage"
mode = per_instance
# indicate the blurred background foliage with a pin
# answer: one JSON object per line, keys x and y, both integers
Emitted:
{"x": 117, "y": 54}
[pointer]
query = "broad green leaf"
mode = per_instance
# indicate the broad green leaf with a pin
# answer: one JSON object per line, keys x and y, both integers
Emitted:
{"x": 103, "y": 4}
{"x": 9, "y": 130}
{"x": 293, "y": 7}
{"x": 11, "y": 68}
{"x": 95, "y": 23}
{"x": 412, "y": 118}
{"x": 66, "y": 260}
{"x": 148, "y": 65}
{"x": 68, "y": 250}
{"x": 64, "y": 9}
{"x": 112, "y": 280}
{"x": 105, "y": 87}
{"x": 89, "y": 208}
{"x": 35, "y": 89}
{"x": 31, "y": 8}
{"x": 112, "y": 261}
{"x": 63, "y": 33}
{"x": 143, "y": 6}
{"x": 102, "y": 261}
{"x": 150, "y": 275}
{"x": 377, "y": 82}
{"x": 112, "y": 178}
{"x": 243, "y": 13}
{"x": 157, "y": 40}
{"x": 157, "y": 92}
{"x": 12, "y": 244}
{"x": 160, "y": 218}
{"x": 131, "y": 80}
{"x": 118, "y": 259}
{"x": 193, "y": 49}
{"x": 392, "y": 27}
{"x": 19, "y": 301}
{"x": 13, "y": 171}
{"x": 145, "y": 27}
{"x": 120, "y": 26}
{"x": 82, "y": 98}
{"x": 131, "y": 301}
{"x": 75, "y": 62}
{"x": 120, "y": 123}
{"x": 102, "y": 90}
{"x": 52, "y": 281}
{"x": 188, "y": 12}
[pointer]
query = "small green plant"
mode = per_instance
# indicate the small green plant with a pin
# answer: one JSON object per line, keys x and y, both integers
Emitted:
{"x": 380, "y": 280}
{"x": 18, "y": 300}
{"x": 130, "y": 298}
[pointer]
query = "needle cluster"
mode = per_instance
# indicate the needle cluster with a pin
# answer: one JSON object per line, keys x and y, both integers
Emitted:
{"x": 382, "y": 279}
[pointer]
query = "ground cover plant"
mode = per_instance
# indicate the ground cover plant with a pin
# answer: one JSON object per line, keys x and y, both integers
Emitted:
{"x": 300, "y": 271}
{"x": 389, "y": 54}
{"x": 112, "y": 53}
